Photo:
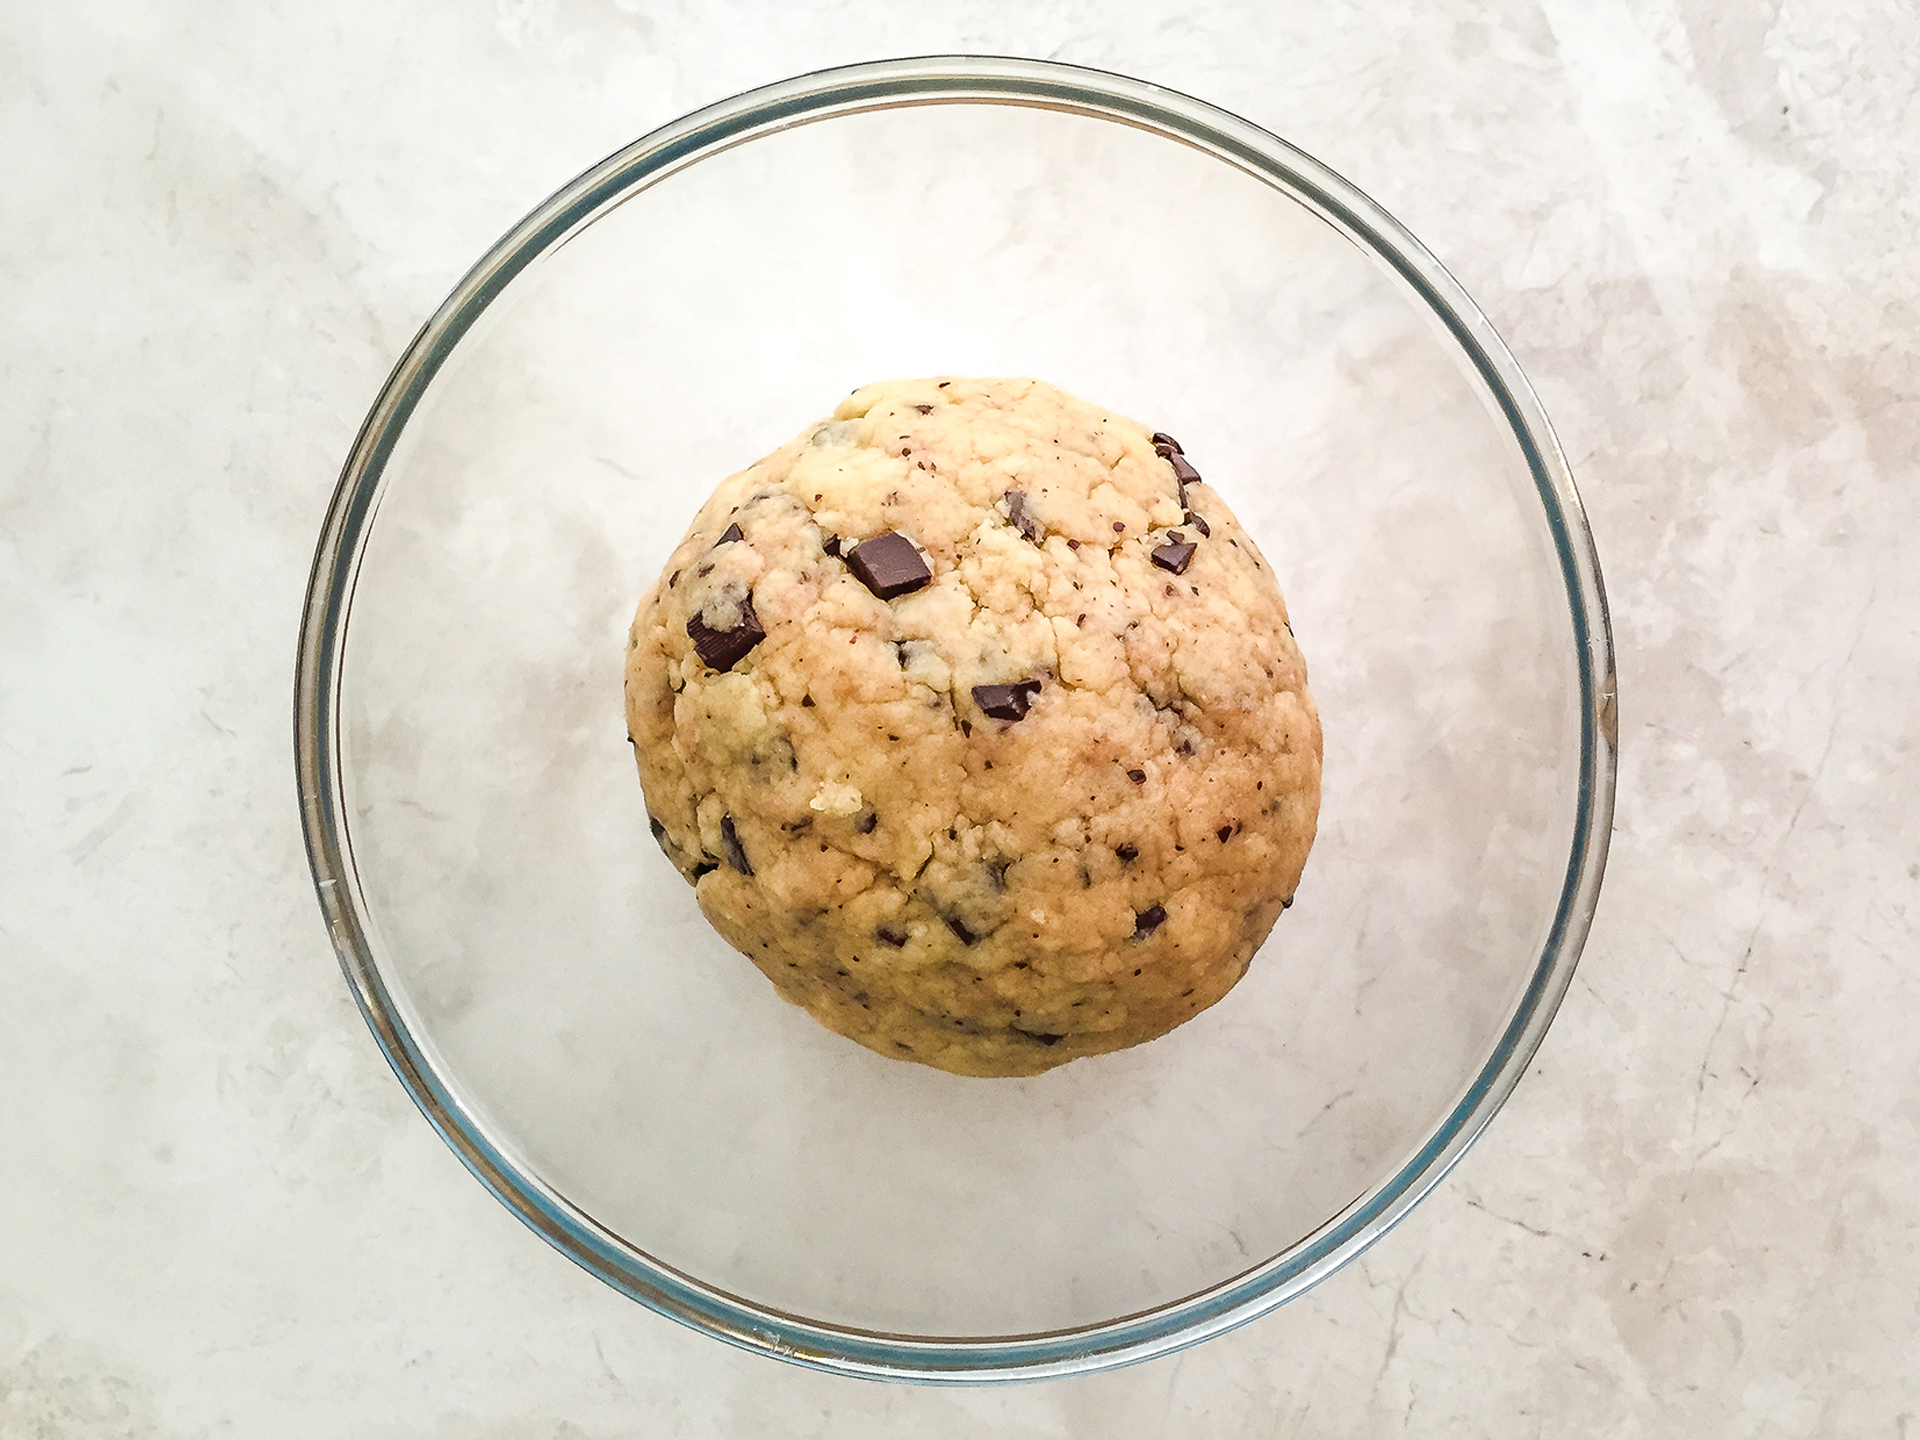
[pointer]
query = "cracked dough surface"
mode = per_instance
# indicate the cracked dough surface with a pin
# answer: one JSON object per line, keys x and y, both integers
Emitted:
{"x": 989, "y": 896}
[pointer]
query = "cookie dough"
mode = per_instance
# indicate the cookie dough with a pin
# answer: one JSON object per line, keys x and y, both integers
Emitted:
{"x": 977, "y": 723}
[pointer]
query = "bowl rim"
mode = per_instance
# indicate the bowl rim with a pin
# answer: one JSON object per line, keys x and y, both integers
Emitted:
{"x": 811, "y": 98}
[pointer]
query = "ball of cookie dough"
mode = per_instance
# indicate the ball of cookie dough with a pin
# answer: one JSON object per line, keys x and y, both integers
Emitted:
{"x": 975, "y": 719}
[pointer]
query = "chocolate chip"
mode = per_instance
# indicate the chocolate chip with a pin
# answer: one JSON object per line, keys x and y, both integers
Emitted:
{"x": 1139, "y": 777}
{"x": 1287, "y": 904}
{"x": 966, "y": 936}
{"x": 1073, "y": 544}
{"x": 728, "y": 536}
{"x": 1199, "y": 524}
{"x": 806, "y": 702}
{"x": 1148, "y": 921}
{"x": 924, "y": 409}
{"x": 1160, "y": 437}
{"x": 1225, "y": 832}
{"x": 1006, "y": 702}
{"x": 1020, "y": 515}
{"x": 1174, "y": 557}
{"x": 1182, "y": 470}
{"x": 1175, "y": 537}
{"x": 887, "y": 935}
{"x": 966, "y": 728}
{"x": 831, "y": 545}
{"x": 724, "y": 649}
{"x": 673, "y": 579}
{"x": 730, "y": 841}
{"x": 866, "y": 822}
{"x": 1118, "y": 526}
{"x": 1127, "y": 851}
{"x": 889, "y": 565}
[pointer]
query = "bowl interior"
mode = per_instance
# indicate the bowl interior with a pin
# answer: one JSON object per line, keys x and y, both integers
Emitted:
{"x": 555, "y": 969}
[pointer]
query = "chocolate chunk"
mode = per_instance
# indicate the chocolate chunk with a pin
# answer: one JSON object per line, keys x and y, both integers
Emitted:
{"x": 1021, "y": 515}
{"x": 889, "y": 565}
{"x": 1073, "y": 544}
{"x": 730, "y": 841}
{"x": 831, "y": 545}
{"x": 1139, "y": 777}
{"x": 924, "y": 409}
{"x": 728, "y": 536}
{"x": 1118, "y": 526}
{"x": 1160, "y": 437}
{"x": 1182, "y": 471}
{"x": 1225, "y": 832}
{"x": 1174, "y": 537}
{"x": 1287, "y": 904}
{"x": 724, "y": 649}
{"x": 966, "y": 936}
{"x": 1148, "y": 921}
{"x": 1199, "y": 524}
{"x": 1006, "y": 702}
{"x": 1174, "y": 557}
{"x": 865, "y": 824}
{"x": 1127, "y": 851}
{"x": 887, "y": 935}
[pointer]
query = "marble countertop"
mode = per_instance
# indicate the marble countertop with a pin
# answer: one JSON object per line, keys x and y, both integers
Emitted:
{"x": 1693, "y": 222}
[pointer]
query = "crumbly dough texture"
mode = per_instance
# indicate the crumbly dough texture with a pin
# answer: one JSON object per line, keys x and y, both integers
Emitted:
{"x": 989, "y": 896}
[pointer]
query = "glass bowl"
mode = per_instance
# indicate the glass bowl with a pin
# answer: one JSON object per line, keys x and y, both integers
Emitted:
{"x": 540, "y": 977}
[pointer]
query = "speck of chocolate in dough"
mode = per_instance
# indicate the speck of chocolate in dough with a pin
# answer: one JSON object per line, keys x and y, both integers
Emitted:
{"x": 1073, "y": 544}
{"x": 966, "y": 728}
{"x": 1020, "y": 515}
{"x": 1118, "y": 526}
{"x": 1287, "y": 904}
{"x": 1199, "y": 523}
{"x": 1174, "y": 537}
{"x": 866, "y": 823}
{"x": 1225, "y": 832}
{"x": 1045, "y": 1039}
{"x": 889, "y": 565}
{"x": 964, "y": 935}
{"x": 831, "y": 545}
{"x": 1139, "y": 777}
{"x": 724, "y": 649}
{"x": 703, "y": 571}
{"x": 887, "y": 935}
{"x": 1183, "y": 470}
{"x": 673, "y": 579}
{"x": 1160, "y": 437}
{"x": 924, "y": 409}
{"x": 1127, "y": 851}
{"x": 1175, "y": 557}
{"x": 736, "y": 852}
{"x": 806, "y": 702}
{"x": 1006, "y": 702}
{"x": 1148, "y": 921}
{"x": 728, "y": 536}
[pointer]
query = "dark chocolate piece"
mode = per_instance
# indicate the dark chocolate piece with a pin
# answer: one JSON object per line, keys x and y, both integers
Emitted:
{"x": 1118, "y": 526}
{"x": 728, "y": 536}
{"x": 1287, "y": 904}
{"x": 924, "y": 409}
{"x": 1148, "y": 921}
{"x": 1006, "y": 702}
{"x": 1199, "y": 524}
{"x": 866, "y": 823}
{"x": 1182, "y": 471}
{"x": 1021, "y": 516}
{"x": 1127, "y": 851}
{"x": 724, "y": 649}
{"x": 889, "y": 565}
{"x": 1139, "y": 777}
{"x": 887, "y": 935}
{"x": 1160, "y": 437}
{"x": 730, "y": 841}
{"x": 1225, "y": 832}
{"x": 1175, "y": 556}
{"x": 831, "y": 545}
{"x": 966, "y": 936}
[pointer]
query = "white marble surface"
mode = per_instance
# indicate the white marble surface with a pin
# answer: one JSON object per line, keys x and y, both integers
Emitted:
{"x": 1693, "y": 221}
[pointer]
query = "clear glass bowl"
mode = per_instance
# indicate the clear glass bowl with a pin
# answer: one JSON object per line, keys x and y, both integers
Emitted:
{"x": 540, "y": 977}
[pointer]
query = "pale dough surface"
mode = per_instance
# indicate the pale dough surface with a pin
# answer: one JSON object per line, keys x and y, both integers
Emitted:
{"x": 991, "y": 897}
